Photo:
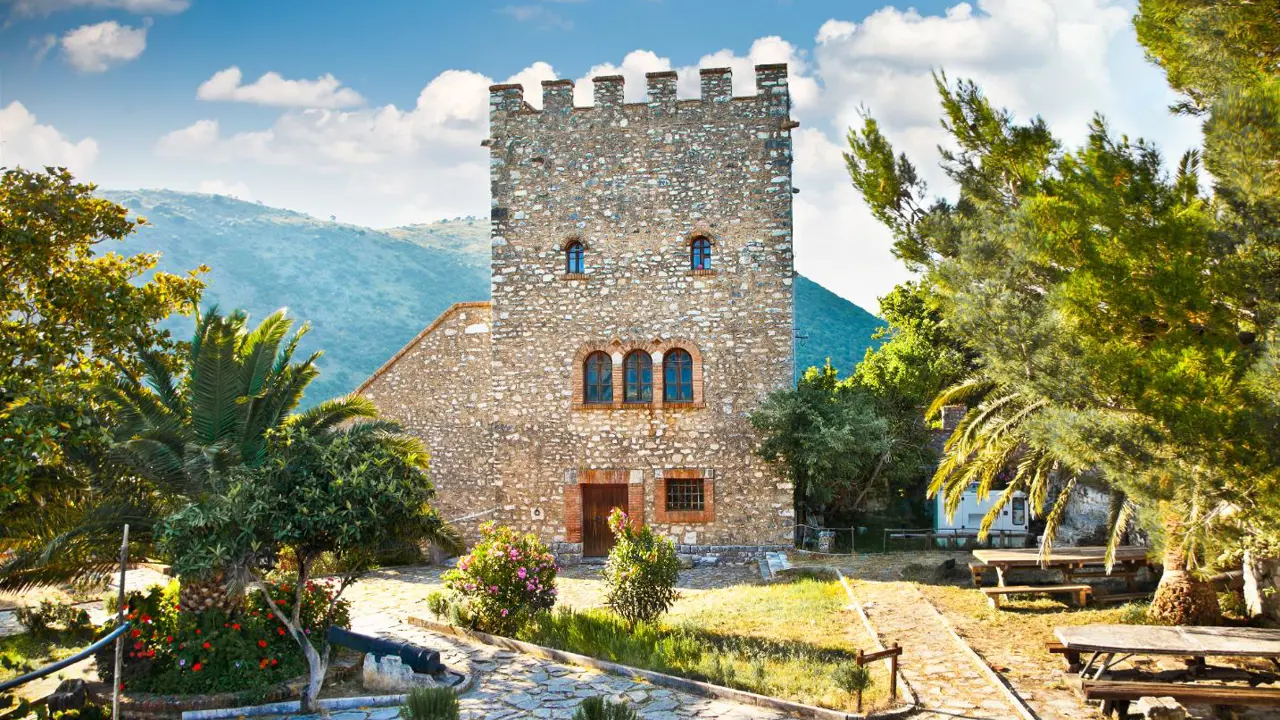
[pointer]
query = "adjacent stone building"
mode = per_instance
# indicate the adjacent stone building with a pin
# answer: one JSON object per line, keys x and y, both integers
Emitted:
{"x": 642, "y": 306}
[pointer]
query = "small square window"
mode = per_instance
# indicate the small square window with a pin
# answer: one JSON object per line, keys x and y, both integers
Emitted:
{"x": 685, "y": 495}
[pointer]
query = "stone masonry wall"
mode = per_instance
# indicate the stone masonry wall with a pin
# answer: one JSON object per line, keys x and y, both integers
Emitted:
{"x": 437, "y": 387}
{"x": 634, "y": 183}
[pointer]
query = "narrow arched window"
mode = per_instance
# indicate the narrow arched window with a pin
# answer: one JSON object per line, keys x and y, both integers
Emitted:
{"x": 597, "y": 378}
{"x": 677, "y": 377}
{"x": 637, "y": 369}
{"x": 573, "y": 258}
{"x": 700, "y": 254}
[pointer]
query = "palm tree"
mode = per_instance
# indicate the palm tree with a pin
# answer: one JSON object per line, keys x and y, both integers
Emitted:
{"x": 1006, "y": 428}
{"x": 175, "y": 432}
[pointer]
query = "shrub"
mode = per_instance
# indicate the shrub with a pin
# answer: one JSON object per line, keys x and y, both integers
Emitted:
{"x": 438, "y": 604}
{"x": 431, "y": 704}
{"x": 852, "y": 677}
{"x": 182, "y": 652}
{"x": 597, "y": 708}
{"x": 641, "y": 572}
{"x": 505, "y": 581}
{"x": 50, "y": 617}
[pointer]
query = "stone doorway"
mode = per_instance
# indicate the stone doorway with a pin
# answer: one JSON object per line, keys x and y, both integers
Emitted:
{"x": 598, "y": 500}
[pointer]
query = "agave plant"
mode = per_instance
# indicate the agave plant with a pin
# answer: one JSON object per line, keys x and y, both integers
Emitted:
{"x": 175, "y": 432}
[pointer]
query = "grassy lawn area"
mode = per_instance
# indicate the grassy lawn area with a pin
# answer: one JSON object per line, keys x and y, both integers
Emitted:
{"x": 784, "y": 640}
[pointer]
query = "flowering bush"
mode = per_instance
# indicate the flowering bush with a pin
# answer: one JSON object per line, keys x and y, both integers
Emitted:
{"x": 182, "y": 652}
{"x": 641, "y": 572}
{"x": 506, "y": 580}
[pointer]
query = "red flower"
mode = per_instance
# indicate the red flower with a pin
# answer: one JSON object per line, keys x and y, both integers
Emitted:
{"x": 121, "y": 686}
{"x": 280, "y": 601}
{"x": 263, "y": 664}
{"x": 235, "y": 626}
{"x": 196, "y": 667}
{"x": 168, "y": 638}
{"x": 135, "y": 633}
{"x": 273, "y": 661}
{"x": 146, "y": 618}
{"x": 207, "y": 646}
{"x": 197, "y": 631}
{"x": 280, "y": 630}
{"x": 262, "y": 643}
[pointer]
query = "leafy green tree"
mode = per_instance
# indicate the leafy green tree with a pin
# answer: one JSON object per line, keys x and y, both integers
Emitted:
{"x": 176, "y": 433}
{"x": 1104, "y": 310}
{"x": 71, "y": 312}
{"x": 920, "y": 354}
{"x": 347, "y": 491}
{"x": 828, "y": 437}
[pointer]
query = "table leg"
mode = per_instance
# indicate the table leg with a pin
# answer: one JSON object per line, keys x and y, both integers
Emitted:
{"x": 1000, "y": 575}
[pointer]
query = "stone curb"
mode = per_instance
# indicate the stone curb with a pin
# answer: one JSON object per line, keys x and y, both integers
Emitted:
{"x": 992, "y": 676}
{"x": 692, "y": 687}
{"x": 294, "y": 706}
{"x": 871, "y": 630}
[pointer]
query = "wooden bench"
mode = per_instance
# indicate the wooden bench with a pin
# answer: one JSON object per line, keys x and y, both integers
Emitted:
{"x": 1080, "y": 593}
{"x": 1116, "y": 695}
{"x": 1121, "y": 597}
{"x": 1073, "y": 656}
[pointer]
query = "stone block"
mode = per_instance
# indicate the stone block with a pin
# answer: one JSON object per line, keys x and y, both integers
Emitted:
{"x": 386, "y": 673}
{"x": 1160, "y": 708}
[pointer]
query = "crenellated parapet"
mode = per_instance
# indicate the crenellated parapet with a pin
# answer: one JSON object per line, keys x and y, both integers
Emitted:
{"x": 772, "y": 96}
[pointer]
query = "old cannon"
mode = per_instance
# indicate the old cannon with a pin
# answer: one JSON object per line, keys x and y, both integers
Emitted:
{"x": 420, "y": 660}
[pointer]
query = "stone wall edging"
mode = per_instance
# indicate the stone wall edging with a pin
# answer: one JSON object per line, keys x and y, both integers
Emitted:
{"x": 692, "y": 687}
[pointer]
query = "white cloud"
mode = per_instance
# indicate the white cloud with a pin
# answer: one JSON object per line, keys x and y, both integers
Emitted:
{"x": 273, "y": 90}
{"x": 1061, "y": 59}
{"x": 95, "y": 48}
{"x": 26, "y": 143}
{"x": 237, "y": 190}
{"x": 40, "y": 8}
{"x": 42, "y": 45}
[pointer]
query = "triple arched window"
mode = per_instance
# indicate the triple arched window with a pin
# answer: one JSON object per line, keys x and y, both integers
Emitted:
{"x": 643, "y": 377}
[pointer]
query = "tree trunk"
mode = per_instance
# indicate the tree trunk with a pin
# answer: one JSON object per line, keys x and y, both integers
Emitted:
{"x": 1180, "y": 598}
{"x": 1262, "y": 587}
{"x": 318, "y": 667}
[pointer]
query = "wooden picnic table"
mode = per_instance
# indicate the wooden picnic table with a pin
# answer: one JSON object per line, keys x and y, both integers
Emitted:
{"x": 1105, "y": 642}
{"x": 1074, "y": 562}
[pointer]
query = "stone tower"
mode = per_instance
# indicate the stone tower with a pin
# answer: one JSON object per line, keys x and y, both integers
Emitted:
{"x": 642, "y": 306}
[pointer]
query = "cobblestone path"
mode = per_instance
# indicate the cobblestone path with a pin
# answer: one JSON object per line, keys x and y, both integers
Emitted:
{"x": 509, "y": 685}
{"x": 946, "y": 679}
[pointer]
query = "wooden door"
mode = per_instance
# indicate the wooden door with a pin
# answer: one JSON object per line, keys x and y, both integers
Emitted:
{"x": 597, "y": 502}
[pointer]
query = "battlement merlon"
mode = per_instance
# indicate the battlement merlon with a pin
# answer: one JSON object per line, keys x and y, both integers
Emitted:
{"x": 772, "y": 92}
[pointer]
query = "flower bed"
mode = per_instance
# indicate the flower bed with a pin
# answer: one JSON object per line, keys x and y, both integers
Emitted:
{"x": 179, "y": 652}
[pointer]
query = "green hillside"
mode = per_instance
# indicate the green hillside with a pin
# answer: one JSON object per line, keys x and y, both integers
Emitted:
{"x": 367, "y": 292}
{"x": 828, "y": 326}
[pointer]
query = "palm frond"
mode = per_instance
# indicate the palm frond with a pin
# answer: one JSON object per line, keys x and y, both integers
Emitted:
{"x": 1119, "y": 516}
{"x": 215, "y": 413}
{"x": 332, "y": 413}
{"x": 257, "y": 351}
{"x": 968, "y": 387}
{"x": 1056, "y": 515}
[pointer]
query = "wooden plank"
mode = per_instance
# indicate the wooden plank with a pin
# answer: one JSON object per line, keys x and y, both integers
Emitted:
{"x": 1201, "y": 694}
{"x": 1184, "y": 641}
{"x": 1059, "y": 557}
{"x": 1034, "y": 589}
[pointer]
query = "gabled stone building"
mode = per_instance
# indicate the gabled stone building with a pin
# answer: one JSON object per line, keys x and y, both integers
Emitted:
{"x": 642, "y": 306}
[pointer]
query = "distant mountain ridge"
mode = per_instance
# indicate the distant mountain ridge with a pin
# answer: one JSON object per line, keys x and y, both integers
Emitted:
{"x": 367, "y": 292}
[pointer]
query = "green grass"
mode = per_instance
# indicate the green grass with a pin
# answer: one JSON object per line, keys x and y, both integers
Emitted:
{"x": 21, "y": 654}
{"x": 785, "y": 640}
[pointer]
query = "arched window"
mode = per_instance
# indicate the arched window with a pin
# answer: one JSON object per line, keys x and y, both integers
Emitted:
{"x": 637, "y": 369}
{"x": 677, "y": 377}
{"x": 573, "y": 258}
{"x": 597, "y": 378}
{"x": 700, "y": 254}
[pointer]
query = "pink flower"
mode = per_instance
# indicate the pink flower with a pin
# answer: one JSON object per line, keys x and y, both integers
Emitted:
{"x": 504, "y": 612}
{"x": 522, "y": 573}
{"x": 493, "y": 589}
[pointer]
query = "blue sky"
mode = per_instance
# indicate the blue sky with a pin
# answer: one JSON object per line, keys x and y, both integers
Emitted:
{"x": 373, "y": 110}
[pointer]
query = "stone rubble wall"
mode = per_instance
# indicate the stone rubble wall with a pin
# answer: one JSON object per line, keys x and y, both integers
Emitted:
{"x": 634, "y": 182}
{"x": 437, "y": 387}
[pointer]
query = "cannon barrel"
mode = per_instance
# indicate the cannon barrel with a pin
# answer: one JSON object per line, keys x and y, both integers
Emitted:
{"x": 420, "y": 660}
